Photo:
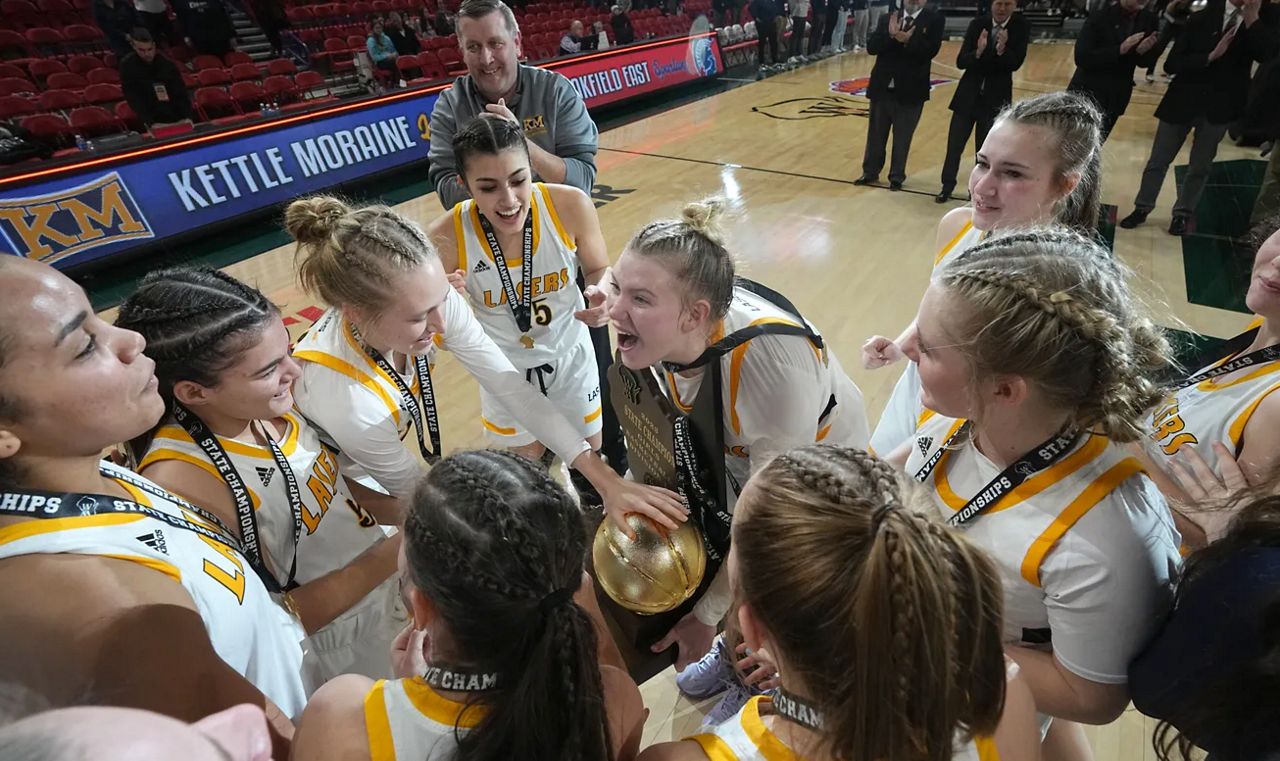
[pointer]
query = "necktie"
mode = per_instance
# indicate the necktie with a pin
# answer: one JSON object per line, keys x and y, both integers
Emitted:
{"x": 906, "y": 23}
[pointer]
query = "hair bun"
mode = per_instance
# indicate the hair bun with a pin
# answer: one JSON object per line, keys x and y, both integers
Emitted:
{"x": 706, "y": 217}
{"x": 313, "y": 220}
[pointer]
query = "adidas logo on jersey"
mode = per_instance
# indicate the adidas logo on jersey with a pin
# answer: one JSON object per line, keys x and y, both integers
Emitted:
{"x": 924, "y": 442}
{"x": 155, "y": 540}
{"x": 481, "y": 266}
{"x": 265, "y": 474}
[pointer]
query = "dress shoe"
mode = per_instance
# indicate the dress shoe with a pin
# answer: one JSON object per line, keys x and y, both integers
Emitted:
{"x": 943, "y": 196}
{"x": 895, "y": 185}
{"x": 866, "y": 179}
{"x": 1178, "y": 225}
{"x": 1135, "y": 218}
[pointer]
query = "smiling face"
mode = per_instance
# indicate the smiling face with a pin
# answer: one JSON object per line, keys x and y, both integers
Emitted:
{"x": 649, "y": 312}
{"x": 945, "y": 372}
{"x": 414, "y": 314}
{"x": 501, "y": 185}
{"x": 258, "y": 386}
{"x": 1263, "y": 297}
{"x": 491, "y": 52}
{"x": 1001, "y": 10}
{"x": 76, "y": 384}
{"x": 1013, "y": 182}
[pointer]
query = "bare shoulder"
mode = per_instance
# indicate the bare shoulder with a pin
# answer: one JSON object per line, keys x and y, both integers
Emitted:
{"x": 332, "y": 727}
{"x": 683, "y": 750}
{"x": 626, "y": 711}
{"x": 570, "y": 202}
{"x": 952, "y": 223}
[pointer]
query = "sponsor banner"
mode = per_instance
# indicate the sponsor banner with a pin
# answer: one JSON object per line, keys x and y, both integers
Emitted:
{"x": 75, "y": 219}
{"x": 610, "y": 78}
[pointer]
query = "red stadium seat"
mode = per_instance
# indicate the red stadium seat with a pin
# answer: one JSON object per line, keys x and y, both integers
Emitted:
{"x": 94, "y": 121}
{"x": 13, "y": 106}
{"x": 83, "y": 36}
{"x": 408, "y": 67}
{"x": 202, "y": 62}
{"x": 307, "y": 81}
{"x": 213, "y": 78}
{"x": 214, "y": 102}
{"x": 248, "y": 95}
{"x": 48, "y": 128}
{"x": 66, "y": 80}
{"x": 14, "y": 85}
{"x": 96, "y": 95}
{"x": 338, "y": 55}
{"x": 60, "y": 100}
{"x": 280, "y": 89}
{"x": 13, "y": 45}
{"x": 12, "y": 70}
{"x": 60, "y": 10}
{"x": 103, "y": 76}
{"x": 83, "y": 64}
{"x": 236, "y": 56}
{"x": 124, "y": 112}
{"x": 244, "y": 72}
{"x": 43, "y": 68}
{"x": 281, "y": 66}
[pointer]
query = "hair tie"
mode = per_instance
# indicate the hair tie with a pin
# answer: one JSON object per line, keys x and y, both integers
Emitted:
{"x": 556, "y": 599}
{"x": 878, "y": 517}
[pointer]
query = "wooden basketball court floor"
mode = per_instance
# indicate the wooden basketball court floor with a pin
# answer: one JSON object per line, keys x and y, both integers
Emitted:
{"x": 854, "y": 260}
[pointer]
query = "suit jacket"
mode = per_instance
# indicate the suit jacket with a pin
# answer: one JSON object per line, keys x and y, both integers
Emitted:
{"x": 906, "y": 66}
{"x": 1217, "y": 90}
{"x": 987, "y": 83}
{"x": 1100, "y": 69}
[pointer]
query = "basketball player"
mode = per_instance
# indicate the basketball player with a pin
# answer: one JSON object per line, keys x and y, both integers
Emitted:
{"x": 519, "y": 246}
{"x": 232, "y": 442}
{"x": 1226, "y": 409}
{"x": 518, "y": 662}
{"x": 1040, "y": 164}
{"x": 1036, "y": 363}
{"x": 855, "y": 593}
{"x": 366, "y": 363}
{"x": 717, "y": 340}
{"x": 121, "y": 593}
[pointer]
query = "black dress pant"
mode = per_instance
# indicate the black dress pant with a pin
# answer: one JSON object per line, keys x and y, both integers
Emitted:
{"x": 888, "y": 114}
{"x": 963, "y": 123}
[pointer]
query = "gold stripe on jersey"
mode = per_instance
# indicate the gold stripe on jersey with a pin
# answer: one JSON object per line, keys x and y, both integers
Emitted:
{"x": 439, "y": 708}
{"x": 497, "y": 428}
{"x": 484, "y": 240}
{"x": 987, "y": 750}
{"x": 739, "y": 354}
{"x": 160, "y": 454}
{"x": 1092, "y": 449}
{"x": 377, "y": 725}
{"x": 1236, "y": 431}
{"x": 37, "y": 526}
{"x": 565, "y": 238}
{"x": 459, "y": 236}
{"x": 595, "y": 414}
{"x": 771, "y": 748}
{"x": 942, "y": 253}
{"x": 167, "y": 569}
{"x": 287, "y": 447}
{"x": 675, "y": 394}
{"x": 714, "y": 748}
{"x": 347, "y": 369}
{"x": 1214, "y": 384}
{"x": 1081, "y": 505}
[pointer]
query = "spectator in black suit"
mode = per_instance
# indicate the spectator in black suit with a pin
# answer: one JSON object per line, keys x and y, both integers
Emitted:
{"x": 207, "y": 25}
{"x": 1211, "y": 60}
{"x": 1117, "y": 39}
{"x": 152, "y": 84}
{"x": 904, "y": 44}
{"x": 623, "y": 32}
{"x": 402, "y": 38}
{"x": 765, "y": 12}
{"x": 994, "y": 47}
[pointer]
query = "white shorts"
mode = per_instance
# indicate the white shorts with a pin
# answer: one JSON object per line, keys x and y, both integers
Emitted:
{"x": 572, "y": 385}
{"x": 901, "y": 415}
{"x": 358, "y": 641}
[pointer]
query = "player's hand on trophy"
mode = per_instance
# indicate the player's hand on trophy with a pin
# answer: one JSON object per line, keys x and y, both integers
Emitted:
{"x": 879, "y": 351}
{"x": 662, "y": 506}
{"x": 596, "y": 315}
{"x": 692, "y": 639}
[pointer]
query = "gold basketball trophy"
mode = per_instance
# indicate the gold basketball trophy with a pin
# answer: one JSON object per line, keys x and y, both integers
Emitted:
{"x": 648, "y": 584}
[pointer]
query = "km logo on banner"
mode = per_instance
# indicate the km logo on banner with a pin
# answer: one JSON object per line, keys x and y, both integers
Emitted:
{"x": 57, "y": 225}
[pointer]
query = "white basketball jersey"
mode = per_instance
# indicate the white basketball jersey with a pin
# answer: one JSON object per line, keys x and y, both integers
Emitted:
{"x": 746, "y": 737}
{"x": 967, "y": 238}
{"x": 409, "y": 721}
{"x": 331, "y": 343}
{"x": 1074, "y": 537}
{"x": 248, "y": 630}
{"x": 335, "y": 529}
{"x": 1217, "y": 409}
{"x": 555, "y": 293}
{"x": 842, "y": 425}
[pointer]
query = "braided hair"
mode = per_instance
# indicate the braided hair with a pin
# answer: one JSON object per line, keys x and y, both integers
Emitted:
{"x": 494, "y": 543}
{"x": 693, "y": 251}
{"x": 196, "y": 321}
{"x": 354, "y": 257}
{"x": 1053, "y": 307}
{"x": 1076, "y": 124}
{"x": 864, "y": 597}
{"x": 487, "y": 134}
